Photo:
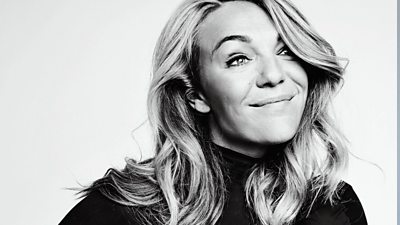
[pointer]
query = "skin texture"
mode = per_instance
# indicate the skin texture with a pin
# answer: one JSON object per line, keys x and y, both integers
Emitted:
{"x": 243, "y": 76}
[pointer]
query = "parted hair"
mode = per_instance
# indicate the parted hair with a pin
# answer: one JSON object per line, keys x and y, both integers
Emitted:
{"x": 184, "y": 184}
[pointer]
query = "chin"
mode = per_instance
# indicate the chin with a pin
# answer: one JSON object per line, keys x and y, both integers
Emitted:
{"x": 274, "y": 136}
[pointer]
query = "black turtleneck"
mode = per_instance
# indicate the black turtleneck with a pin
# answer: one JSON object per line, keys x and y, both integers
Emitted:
{"x": 95, "y": 209}
{"x": 347, "y": 211}
{"x": 237, "y": 169}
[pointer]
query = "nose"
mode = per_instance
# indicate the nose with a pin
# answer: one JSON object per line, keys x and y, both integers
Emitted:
{"x": 271, "y": 73}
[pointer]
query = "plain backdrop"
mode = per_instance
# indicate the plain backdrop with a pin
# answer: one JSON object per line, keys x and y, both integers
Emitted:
{"x": 73, "y": 82}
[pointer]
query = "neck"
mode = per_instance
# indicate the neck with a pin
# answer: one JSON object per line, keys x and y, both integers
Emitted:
{"x": 251, "y": 149}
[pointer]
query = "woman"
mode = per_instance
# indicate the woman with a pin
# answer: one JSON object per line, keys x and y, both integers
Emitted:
{"x": 239, "y": 106}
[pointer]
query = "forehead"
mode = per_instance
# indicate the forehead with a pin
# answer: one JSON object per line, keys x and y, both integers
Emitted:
{"x": 235, "y": 18}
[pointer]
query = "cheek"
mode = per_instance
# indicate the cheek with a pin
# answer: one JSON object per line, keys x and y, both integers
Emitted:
{"x": 224, "y": 90}
{"x": 298, "y": 75}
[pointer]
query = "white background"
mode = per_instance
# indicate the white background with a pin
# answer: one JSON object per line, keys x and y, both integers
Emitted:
{"x": 73, "y": 82}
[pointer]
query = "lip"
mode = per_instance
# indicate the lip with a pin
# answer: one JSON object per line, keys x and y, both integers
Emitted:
{"x": 276, "y": 99}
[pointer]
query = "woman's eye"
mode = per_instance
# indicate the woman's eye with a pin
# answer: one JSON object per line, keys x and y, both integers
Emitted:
{"x": 285, "y": 51}
{"x": 237, "y": 61}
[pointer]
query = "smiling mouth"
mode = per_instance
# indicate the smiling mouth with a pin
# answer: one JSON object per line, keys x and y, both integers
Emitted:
{"x": 272, "y": 100}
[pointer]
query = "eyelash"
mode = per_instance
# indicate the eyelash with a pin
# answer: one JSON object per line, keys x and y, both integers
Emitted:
{"x": 231, "y": 62}
{"x": 283, "y": 49}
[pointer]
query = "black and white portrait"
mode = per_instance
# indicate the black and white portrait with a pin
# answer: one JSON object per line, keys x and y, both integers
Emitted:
{"x": 206, "y": 112}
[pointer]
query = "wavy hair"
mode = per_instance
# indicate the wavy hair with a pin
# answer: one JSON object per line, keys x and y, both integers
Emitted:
{"x": 184, "y": 184}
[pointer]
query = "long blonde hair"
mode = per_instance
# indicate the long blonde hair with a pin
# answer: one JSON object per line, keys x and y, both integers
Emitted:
{"x": 184, "y": 184}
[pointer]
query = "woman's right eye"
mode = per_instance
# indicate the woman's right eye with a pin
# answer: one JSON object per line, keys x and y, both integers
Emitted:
{"x": 237, "y": 61}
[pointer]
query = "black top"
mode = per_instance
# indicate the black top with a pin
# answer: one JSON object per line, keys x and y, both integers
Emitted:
{"x": 96, "y": 209}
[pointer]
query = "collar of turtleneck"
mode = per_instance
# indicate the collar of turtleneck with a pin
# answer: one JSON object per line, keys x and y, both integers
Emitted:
{"x": 237, "y": 157}
{"x": 237, "y": 165}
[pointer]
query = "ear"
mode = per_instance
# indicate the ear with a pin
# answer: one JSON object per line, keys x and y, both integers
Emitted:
{"x": 199, "y": 103}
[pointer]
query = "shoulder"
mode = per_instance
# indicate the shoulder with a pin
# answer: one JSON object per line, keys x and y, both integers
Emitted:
{"x": 97, "y": 209}
{"x": 347, "y": 210}
{"x": 101, "y": 204}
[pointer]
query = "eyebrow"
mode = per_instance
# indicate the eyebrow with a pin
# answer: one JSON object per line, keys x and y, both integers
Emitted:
{"x": 279, "y": 40}
{"x": 241, "y": 38}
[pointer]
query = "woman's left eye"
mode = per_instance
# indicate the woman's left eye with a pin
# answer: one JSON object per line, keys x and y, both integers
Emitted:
{"x": 285, "y": 51}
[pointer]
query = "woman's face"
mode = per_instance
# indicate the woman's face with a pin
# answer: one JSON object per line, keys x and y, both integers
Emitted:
{"x": 253, "y": 86}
